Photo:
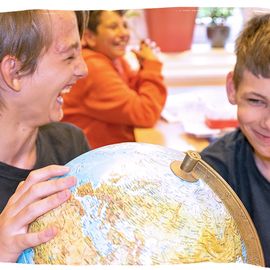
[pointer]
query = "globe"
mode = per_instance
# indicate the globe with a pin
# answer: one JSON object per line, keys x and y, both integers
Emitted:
{"x": 144, "y": 204}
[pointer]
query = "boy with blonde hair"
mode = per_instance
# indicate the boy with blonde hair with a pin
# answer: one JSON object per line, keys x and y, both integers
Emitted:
{"x": 242, "y": 157}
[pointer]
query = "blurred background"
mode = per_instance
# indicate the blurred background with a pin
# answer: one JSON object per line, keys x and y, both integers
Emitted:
{"x": 186, "y": 23}
{"x": 197, "y": 50}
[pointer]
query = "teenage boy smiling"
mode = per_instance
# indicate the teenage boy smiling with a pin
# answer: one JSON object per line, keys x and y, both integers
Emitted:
{"x": 243, "y": 156}
{"x": 112, "y": 100}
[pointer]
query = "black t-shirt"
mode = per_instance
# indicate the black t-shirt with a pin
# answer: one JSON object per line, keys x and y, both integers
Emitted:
{"x": 57, "y": 143}
{"x": 232, "y": 157}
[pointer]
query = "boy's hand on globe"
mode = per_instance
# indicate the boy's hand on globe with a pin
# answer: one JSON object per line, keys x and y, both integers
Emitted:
{"x": 34, "y": 197}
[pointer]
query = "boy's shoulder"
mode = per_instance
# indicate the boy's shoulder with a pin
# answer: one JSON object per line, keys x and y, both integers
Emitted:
{"x": 227, "y": 149}
{"x": 96, "y": 61}
{"x": 61, "y": 133}
{"x": 229, "y": 142}
{"x": 92, "y": 56}
{"x": 228, "y": 155}
{"x": 59, "y": 142}
{"x": 59, "y": 127}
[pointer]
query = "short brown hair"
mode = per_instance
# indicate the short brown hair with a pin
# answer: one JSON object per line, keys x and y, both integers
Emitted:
{"x": 24, "y": 35}
{"x": 253, "y": 49}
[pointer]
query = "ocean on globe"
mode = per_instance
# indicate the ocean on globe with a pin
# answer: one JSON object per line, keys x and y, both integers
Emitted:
{"x": 128, "y": 207}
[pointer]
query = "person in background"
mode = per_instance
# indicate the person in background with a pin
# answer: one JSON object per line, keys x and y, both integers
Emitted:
{"x": 40, "y": 60}
{"x": 242, "y": 157}
{"x": 112, "y": 100}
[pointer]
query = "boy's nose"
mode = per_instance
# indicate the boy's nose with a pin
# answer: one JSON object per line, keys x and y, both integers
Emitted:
{"x": 81, "y": 69}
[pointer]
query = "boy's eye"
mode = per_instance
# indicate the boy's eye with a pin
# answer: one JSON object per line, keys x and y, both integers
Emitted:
{"x": 254, "y": 101}
{"x": 113, "y": 26}
{"x": 70, "y": 58}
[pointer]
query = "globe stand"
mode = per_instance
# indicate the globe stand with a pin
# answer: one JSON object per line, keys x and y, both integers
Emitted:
{"x": 193, "y": 168}
{"x": 184, "y": 169}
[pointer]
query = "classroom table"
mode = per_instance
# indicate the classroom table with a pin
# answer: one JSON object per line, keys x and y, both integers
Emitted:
{"x": 182, "y": 123}
{"x": 170, "y": 135}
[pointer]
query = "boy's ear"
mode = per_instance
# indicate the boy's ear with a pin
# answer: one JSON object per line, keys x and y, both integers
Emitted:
{"x": 9, "y": 68}
{"x": 89, "y": 39}
{"x": 231, "y": 91}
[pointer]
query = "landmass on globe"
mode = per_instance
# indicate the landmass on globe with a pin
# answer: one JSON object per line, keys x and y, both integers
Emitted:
{"x": 131, "y": 209}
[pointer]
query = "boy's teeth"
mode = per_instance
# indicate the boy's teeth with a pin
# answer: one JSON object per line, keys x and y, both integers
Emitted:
{"x": 60, "y": 100}
{"x": 66, "y": 90}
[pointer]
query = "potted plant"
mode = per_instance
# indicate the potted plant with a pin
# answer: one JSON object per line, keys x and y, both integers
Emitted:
{"x": 172, "y": 28}
{"x": 217, "y": 30}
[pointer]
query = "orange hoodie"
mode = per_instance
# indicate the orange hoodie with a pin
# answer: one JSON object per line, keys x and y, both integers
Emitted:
{"x": 112, "y": 100}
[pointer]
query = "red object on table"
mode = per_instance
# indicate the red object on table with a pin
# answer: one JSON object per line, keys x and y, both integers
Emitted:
{"x": 221, "y": 123}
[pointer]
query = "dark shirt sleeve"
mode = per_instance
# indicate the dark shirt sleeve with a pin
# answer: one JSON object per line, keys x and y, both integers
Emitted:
{"x": 59, "y": 143}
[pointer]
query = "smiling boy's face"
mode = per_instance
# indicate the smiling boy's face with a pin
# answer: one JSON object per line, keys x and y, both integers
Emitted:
{"x": 112, "y": 35}
{"x": 57, "y": 70}
{"x": 253, "y": 109}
